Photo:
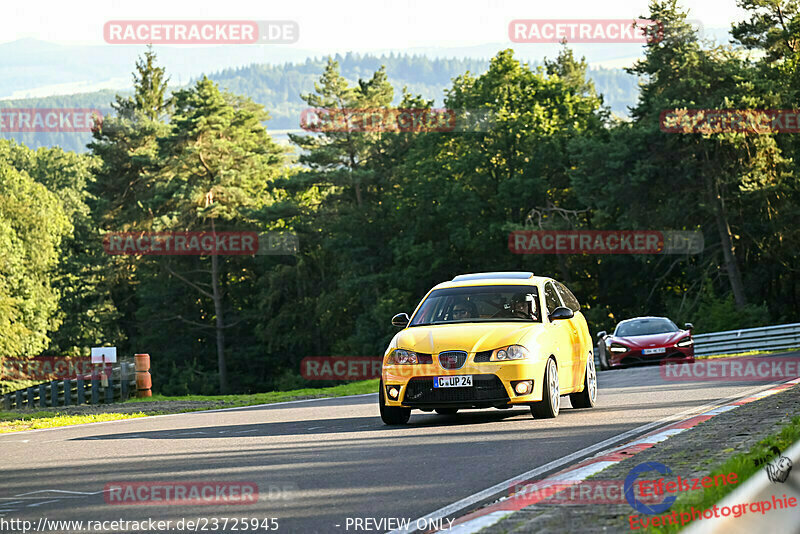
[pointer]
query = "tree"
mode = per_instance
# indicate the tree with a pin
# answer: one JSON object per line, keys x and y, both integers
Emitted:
{"x": 86, "y": 315}
{"x": 215, "y": 167}
{"x": 32, "y": 226}
{"x": 125, "y": 147}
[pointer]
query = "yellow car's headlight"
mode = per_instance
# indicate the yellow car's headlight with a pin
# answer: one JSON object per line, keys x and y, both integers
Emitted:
{"x": 512, "y": 352}
{"x": 407, "y": 357}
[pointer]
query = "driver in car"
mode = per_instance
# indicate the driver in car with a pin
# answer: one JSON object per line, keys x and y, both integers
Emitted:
{"x": 524, "y": 306}
{"x": 464, "y": 309}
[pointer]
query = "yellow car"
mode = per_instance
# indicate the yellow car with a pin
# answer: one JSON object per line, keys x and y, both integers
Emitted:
{"x": 489, "y": 340}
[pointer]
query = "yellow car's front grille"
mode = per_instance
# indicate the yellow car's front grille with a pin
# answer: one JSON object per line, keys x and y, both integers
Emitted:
{"x": 486, "y": 389}
{"x": 452, "y": 359}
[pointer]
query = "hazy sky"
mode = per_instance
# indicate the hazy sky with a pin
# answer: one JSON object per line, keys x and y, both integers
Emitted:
{"x": 352, "y": 24}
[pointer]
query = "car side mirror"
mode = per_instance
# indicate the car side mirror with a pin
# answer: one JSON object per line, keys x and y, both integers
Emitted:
{"x": 400, "y": 320}
{"x": 601, "y": 334}
{"x": 562, "y": 312}
{"x": 689, "y": 326}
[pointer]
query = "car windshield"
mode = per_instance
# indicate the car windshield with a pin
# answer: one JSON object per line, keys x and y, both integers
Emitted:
{"x": 645, "y": 327}
{"x": 479, "y": 304}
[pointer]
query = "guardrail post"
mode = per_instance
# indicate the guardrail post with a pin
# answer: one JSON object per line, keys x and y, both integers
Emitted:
{"x": 81, "y": 391}
{"x": 30, "y": 399}
{"x": 67, "y": 391}
{"x": 95, "y": 388}
{"x": 54, "y": 393}
{"x": 7, "y": 401}
{"x": 42, "y": 395}
{"x": 109, "y": 392}
{"x": 18, "y": 399}
{"x": 123, "y": 381}
{"x": 144, "y": 381}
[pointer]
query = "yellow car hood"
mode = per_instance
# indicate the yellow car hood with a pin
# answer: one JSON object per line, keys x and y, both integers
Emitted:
{"x": 469, "y": 337}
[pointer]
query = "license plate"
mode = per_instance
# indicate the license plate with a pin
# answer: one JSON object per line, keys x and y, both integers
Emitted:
{"x": 457, "y": 381}
{"x": 660, "y": 350}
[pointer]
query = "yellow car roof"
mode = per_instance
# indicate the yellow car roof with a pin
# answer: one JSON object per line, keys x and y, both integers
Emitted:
{"x": 494, "y": 279}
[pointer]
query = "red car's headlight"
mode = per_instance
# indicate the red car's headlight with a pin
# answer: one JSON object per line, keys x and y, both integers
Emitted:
{"x": 618, "y": 348}
{"x": 685, "y": 342}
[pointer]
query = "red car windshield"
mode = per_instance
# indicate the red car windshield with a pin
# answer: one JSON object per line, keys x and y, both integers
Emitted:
{"x": 645, "y": 327}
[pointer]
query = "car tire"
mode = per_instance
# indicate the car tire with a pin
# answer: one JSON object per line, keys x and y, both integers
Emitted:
{"x": 588, "y": 397}
{"x": 392, "y": 415}
{"x": 550, "y": 404}
{"x": 447, "y": 411}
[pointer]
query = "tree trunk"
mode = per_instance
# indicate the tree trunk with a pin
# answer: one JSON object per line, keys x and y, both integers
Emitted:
{"x": 720, "y": 217}
{"x": 220, "y": 324}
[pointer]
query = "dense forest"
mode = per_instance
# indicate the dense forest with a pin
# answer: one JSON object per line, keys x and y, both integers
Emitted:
{"x": 278, "y": 89}
{"x": 383, "y": 216}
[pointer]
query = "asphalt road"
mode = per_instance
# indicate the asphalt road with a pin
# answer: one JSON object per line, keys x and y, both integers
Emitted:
{"x": 318, "y": 463}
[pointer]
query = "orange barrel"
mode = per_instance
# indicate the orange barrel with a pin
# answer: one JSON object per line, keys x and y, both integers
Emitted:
{"x": 144, "y": 382}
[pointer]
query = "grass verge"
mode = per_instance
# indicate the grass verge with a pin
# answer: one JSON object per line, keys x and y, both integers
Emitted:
{"x": 744, "y": 465}
{"x": 15, "y": 421}
{"x": 353, "y": 388}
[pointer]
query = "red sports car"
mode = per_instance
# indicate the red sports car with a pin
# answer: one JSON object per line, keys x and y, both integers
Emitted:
{"x": 645, "y": 340}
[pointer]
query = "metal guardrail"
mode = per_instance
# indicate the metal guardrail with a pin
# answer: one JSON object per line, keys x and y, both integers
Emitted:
{"x": 784, "y": 336}
{"x": 88, "y": 389}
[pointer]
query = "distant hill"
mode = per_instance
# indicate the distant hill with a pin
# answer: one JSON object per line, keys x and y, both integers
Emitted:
{"x": 278, "y": 88}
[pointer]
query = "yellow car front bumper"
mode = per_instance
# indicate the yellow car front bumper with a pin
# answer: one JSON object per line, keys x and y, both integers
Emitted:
{"x": 415, "y": 384}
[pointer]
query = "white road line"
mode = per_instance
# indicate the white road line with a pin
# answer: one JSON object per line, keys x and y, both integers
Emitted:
{"x": 655, "y": 438}
{"x": 60, "y": 491}
{"x": 475, "y": 498}
{"x": 41, "y": 503}
{"x": 721, "y": 409}
{"x": 35, "y": 498}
